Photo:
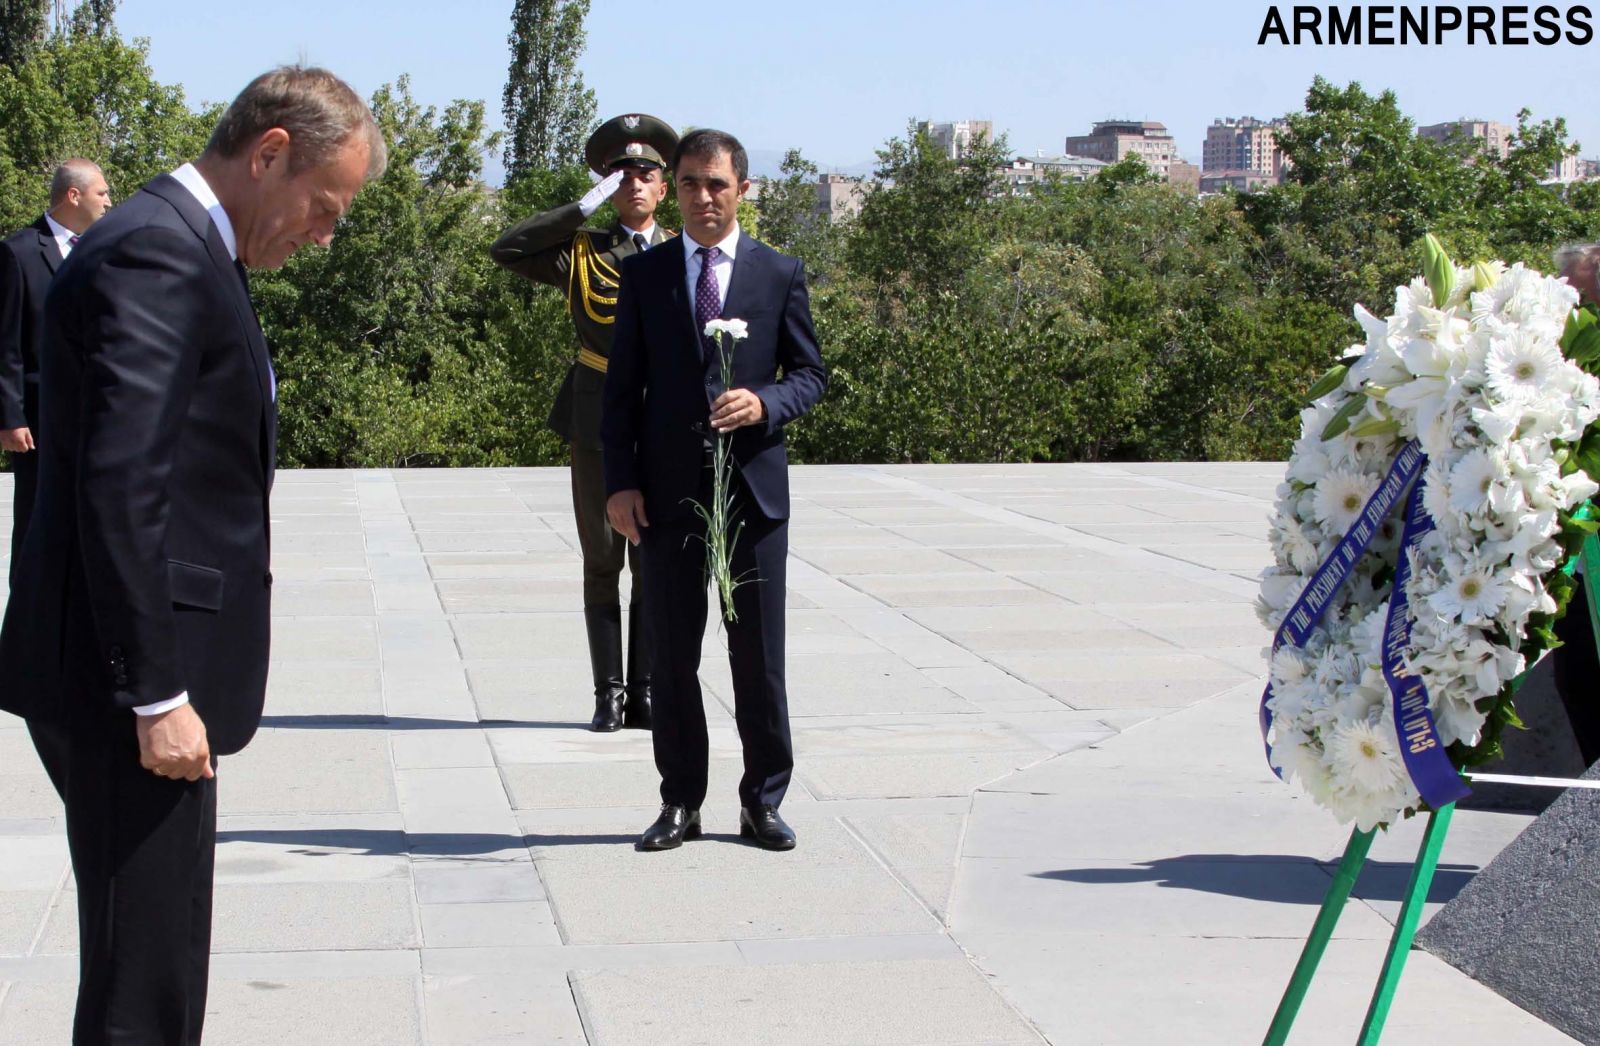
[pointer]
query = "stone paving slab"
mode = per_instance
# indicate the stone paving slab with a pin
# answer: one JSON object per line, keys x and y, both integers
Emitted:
{"x": 912, "y": 1003}
{"x": 496, "y": 1009}
{"x": 1221, "y": 991}
{"x": 1029, "y": 790}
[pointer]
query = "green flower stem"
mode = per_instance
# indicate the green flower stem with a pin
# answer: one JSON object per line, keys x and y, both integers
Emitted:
{"x": 722, "y": 530}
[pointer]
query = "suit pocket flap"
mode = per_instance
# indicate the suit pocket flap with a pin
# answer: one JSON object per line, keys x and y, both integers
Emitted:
{"x": 194, "y": 586}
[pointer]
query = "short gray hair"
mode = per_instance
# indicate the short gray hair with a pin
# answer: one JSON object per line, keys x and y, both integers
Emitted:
{"x": 76, "y": 173}
{"x": 1568, "y": 253}
{"x": 320, "y": 112}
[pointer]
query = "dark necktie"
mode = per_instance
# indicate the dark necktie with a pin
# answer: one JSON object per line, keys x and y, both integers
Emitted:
{"x": 707, "y": 302}
{"x": 72, "y": 241}
{"x": 640, "y": 243}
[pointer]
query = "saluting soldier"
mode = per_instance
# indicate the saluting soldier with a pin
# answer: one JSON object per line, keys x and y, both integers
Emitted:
{"x": 629, "y": 153}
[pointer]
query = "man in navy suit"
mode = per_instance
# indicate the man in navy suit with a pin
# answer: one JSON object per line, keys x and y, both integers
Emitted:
{"x": 139, "y": 615}
{"x": 664, "y": 404}
{"x": 79, "y": 196}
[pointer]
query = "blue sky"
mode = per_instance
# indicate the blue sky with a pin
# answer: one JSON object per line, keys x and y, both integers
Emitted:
{"x": 836, "y": 79}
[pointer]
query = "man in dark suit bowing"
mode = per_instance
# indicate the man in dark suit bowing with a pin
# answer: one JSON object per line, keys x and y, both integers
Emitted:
{"x": 139, "y": 614}
{"x": 79, "y": 197}
{"x": 664, "y": 404}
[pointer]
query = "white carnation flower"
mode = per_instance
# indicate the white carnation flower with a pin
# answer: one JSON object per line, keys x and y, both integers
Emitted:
{"x": 1308, "y": 460}
{"x": 738, "y": 330}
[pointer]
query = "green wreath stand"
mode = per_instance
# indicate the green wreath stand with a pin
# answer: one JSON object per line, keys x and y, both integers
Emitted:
{"x": 1355, "y": 856}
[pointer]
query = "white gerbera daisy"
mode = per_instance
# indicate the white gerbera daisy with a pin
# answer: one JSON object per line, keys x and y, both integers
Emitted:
{"x": 1471, "y": 595}
{"x": 1522, "y": 368}
{"x": 1341, "y": 494}
{"x": 1288, "y": 665}
{"x": 1472, "y": 479}
{"x": 1366, "y": 756}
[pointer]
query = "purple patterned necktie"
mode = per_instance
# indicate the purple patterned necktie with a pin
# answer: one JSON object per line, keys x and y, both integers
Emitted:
{"x": 707, "y": 303}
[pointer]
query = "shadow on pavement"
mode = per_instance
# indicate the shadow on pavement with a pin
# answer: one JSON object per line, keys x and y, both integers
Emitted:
{"x": 1269, "y": 877}
{"x": 378, "y": 722}
{"x": 379, "y": 842}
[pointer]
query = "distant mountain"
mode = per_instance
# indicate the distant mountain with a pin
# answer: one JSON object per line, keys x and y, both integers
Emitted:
{"x": 767, "y": 163}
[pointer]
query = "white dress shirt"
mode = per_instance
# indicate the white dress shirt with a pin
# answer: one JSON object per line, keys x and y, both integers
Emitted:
{"x": 64, "y": 236}
{"x": 722, "y": 269}
{"x": 190, "y": 178}
{"x": 649, "y": 233}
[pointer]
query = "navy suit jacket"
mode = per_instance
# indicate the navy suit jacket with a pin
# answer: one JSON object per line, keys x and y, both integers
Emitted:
{"x": 145, "y": 572}
{"x": 28, "y": 262}
{"x": 663, "y": 377}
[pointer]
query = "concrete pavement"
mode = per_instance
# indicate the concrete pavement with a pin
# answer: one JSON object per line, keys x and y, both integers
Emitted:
{"x": 1031, "y": 802}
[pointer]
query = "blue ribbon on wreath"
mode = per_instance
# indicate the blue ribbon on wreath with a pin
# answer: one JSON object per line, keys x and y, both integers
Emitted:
{"x": 1425, "y": 759}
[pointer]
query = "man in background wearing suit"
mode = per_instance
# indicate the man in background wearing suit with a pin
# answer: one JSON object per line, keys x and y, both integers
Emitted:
{"x": 140, "y": 611}
{"x": 629, "y": 153}
{"x": 79, "y": 196}
{"x": 664, "y": 404}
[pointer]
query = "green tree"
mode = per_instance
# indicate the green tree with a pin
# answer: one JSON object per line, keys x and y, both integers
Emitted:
{"x": 920, "y": 227}
{"x": 86, "y": 92}
{"x": 93, "y": 17}
{"x": 22, "y": 29}
{"x": 548, "y": 110}
{"x": 1363, "y": 187}
{"x": 789, "y": 219}
{"x": 386, "y": 353}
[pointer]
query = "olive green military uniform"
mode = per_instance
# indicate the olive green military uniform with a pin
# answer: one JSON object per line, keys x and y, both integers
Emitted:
{"x": 556, "y": 248}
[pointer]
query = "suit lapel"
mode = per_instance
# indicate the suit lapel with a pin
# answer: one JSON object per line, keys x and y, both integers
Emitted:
{"x": 49, "y": 250}
{"x": 195, "y": 216}
{"x": 742, "y": 282}
{"x": 683, "y": 296}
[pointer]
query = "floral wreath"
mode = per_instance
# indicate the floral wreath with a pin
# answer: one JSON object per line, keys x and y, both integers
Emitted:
{"x": 1399, "y": 637}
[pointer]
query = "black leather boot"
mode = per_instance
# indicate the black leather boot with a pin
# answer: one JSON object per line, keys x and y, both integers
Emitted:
{"x": 604, "y": 625}
{"x": 636, "y": 713}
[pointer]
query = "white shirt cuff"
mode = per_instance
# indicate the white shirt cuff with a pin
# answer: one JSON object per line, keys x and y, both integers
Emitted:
{"x": 162, "y": 706}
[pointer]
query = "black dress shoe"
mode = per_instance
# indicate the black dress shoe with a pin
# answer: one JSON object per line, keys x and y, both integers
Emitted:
{"x": 676, "y": 823}
{"x": 765, "y": 826}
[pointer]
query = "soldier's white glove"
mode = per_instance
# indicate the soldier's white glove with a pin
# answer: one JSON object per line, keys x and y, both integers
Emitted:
{"x": 600, "y": 193}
